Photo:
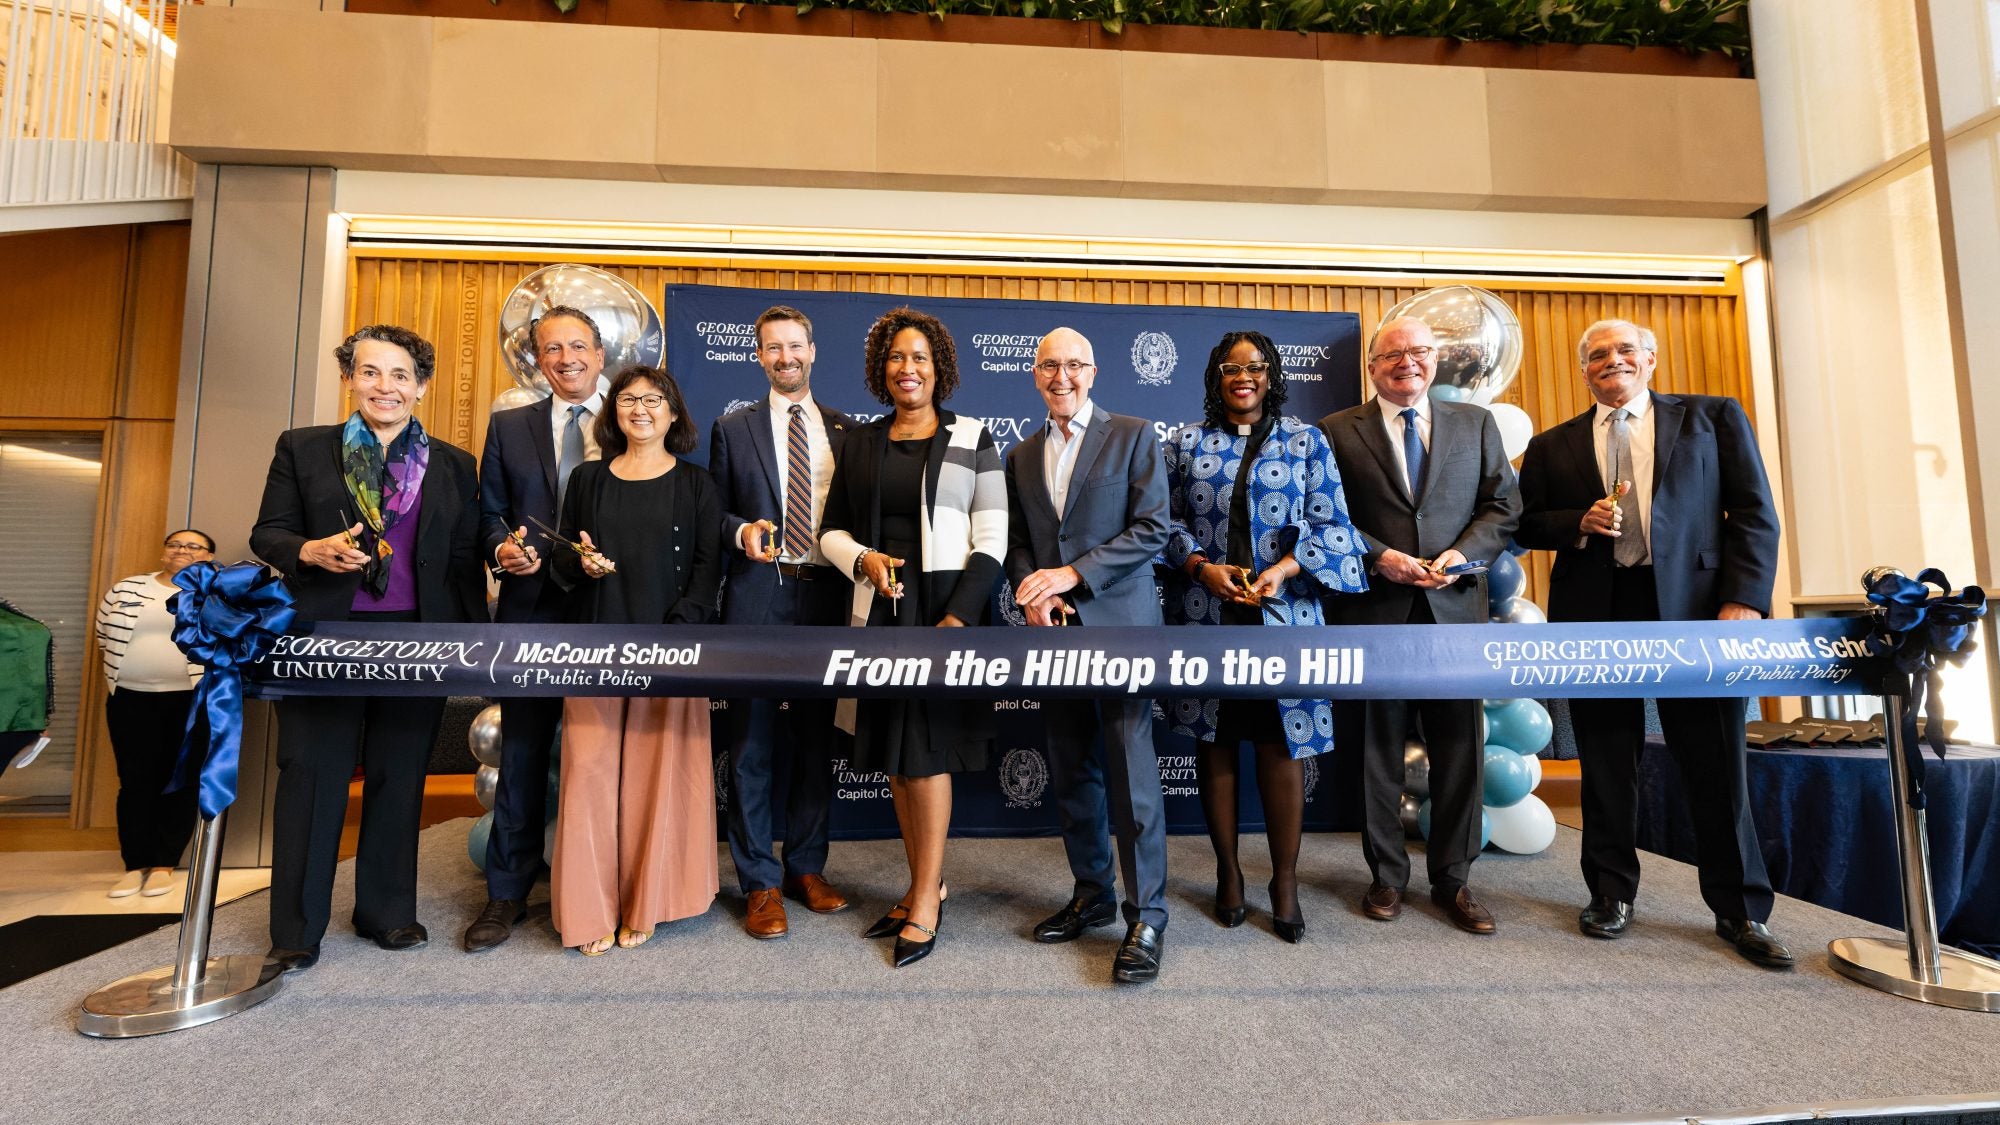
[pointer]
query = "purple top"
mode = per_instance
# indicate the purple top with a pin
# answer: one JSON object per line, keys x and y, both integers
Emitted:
{"x": 401, "y": 594}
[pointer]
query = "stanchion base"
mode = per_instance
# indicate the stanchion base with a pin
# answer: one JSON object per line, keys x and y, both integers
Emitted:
{"x": 148, "y": 1004}
{"x": 1964, "y": 980}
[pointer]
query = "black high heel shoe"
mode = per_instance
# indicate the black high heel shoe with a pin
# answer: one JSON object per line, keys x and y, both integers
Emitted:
{"x": 1294, "y": 930}
{"x": 891, "y": 924}
{"x": 910, "y": 952}
{"x": 1230, "y": 916}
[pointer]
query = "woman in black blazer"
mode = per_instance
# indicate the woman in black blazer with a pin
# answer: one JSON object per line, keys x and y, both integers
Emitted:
{"x": 368, "y": 520}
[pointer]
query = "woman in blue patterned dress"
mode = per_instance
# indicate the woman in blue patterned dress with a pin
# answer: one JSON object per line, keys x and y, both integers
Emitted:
{"x": 1257, "y": 502}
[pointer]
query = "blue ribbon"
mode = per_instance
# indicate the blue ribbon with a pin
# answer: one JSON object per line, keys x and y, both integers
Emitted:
{"x": 224, "y": 618}
{"x": 1921, "y": 633}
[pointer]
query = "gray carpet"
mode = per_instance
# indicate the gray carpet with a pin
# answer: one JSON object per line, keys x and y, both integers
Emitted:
{"x": 1364, "y": 1022}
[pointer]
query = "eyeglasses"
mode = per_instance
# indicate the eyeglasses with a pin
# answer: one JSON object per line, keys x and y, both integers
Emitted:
{"x": 1418, "y": 354}
{"x": 1048, "y": 368}
{"x": 650, "y": 402}
{"x": 177, "y": 545}
{"x": 1232, "y": 370}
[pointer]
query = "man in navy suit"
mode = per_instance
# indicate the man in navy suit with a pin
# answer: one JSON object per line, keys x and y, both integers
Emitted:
{"x": 773, "y": 462}
{"x": 1428, "y": 487}
{"x": 1691, "y": 536}
{"x": 1087, "y": 511}
{"x": 530, "y": 453}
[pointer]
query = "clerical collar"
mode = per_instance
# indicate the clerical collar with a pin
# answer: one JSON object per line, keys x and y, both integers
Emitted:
{"x": 1245, "y": 430}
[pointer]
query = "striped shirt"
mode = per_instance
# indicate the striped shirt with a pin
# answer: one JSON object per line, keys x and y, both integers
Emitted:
{"x": 135, "y": 634}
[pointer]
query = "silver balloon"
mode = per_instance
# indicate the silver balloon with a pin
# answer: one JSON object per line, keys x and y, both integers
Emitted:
{"x": 1408, "y": 815}
{"x": 624, "y": 317}
{"x": 1519, "y": 611}
{"x": 484, "y": 736}
{"x": 1416, "y": 769}
{"x": 513, "y": 397}
{"x": 484, "y": 782}
{"x": 1478, "y": 338}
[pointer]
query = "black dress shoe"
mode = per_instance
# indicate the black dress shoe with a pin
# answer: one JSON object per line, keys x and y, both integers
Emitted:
{"x": 292, "y": 960}
{"x": 1755, "y": 942}
{"x": 1231, "y": 916}
{"x": 495, "y": 923}
{"x": 1604, "y": 917}
{"x": 402, "y": 937}
{"x": 1138, "y": 960}
{"x": 1069, "y": 923}
{"x": 910, "y": 952}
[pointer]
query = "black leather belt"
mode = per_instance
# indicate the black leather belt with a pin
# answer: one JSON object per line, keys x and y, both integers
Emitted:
{"x": 804, "y": 572}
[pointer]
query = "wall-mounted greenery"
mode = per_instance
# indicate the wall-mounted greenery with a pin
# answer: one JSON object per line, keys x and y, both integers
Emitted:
{"x": 1690, "y": 25}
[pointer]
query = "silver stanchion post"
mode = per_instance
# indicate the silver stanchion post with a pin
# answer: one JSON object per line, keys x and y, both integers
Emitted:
{"x": 1915, "y": 967}
{"x": 195, "y": 989}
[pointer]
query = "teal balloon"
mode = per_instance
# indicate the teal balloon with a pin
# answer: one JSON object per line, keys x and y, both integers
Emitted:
{"x": 1521, "y": 725}
{"x": 475, "y": 840}
{"x": 1504, "y": 579}
{"x": 1444, "y": 392}
{"x": 1508, "y": 777}
{"x": 1485, "y": 824}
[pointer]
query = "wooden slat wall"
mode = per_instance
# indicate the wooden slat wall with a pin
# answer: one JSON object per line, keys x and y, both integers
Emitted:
{"x": 455, "y": 304}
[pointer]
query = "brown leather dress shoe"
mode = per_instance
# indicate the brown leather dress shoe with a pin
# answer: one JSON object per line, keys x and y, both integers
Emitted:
{"x": 1465, "y": 911}
{"x": 818, "y": 894}
{"x": 1384, "y": 904}
{"x": 766, "y": 917}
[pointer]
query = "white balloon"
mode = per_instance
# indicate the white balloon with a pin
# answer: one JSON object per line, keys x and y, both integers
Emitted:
{"x": 1515, "y": 428}
{"x": 1534, "y": 772}
{"x": 1525, "y": 828}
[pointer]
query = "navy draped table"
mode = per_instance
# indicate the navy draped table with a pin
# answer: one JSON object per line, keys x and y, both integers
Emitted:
{"x": 1828, "y": 830}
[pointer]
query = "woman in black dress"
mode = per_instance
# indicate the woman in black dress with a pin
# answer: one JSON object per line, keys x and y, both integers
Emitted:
{"x": 918, "y": 513}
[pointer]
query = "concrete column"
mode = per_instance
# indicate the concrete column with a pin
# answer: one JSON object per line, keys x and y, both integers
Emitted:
{"x": 251, "y": 367}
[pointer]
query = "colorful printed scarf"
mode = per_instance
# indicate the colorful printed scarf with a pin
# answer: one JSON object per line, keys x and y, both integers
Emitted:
{"x": 385, "y": 487}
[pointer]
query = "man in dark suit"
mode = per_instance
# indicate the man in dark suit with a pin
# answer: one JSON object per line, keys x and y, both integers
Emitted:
{"x": 1692, "y": 536}
{"x": 773, "y": 462}
{"x": 1087, "y": 511}
{"x": 1428, "y": 487}
{"x": 530, "y": 453}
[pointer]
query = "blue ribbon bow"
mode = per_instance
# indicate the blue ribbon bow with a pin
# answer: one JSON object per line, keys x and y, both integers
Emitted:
{"x": 224, "y": 618}
{"x": 1921, "y": 633}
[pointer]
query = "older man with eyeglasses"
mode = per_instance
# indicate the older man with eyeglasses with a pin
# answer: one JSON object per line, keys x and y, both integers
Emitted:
{"x": 1087, "y": 512}
{"x": 1429, "y": 489}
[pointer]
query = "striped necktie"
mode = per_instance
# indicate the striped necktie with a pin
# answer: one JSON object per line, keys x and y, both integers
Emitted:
{"x": 798, "y": 488}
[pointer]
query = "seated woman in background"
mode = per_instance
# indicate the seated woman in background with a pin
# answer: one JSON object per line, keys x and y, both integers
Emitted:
{"x": 635, "y": 834}
{"x": 149, "y": 688}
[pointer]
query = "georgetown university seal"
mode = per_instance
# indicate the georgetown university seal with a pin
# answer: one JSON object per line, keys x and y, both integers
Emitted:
{"x": 1153, "y": 357}
{"x": 1024, "y": 776}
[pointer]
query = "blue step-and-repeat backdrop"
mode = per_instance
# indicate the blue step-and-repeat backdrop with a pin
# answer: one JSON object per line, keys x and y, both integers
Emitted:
{"x": 1150, "y": 361}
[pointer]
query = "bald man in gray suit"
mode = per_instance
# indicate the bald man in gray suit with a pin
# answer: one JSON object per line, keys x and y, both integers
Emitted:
{"x": 1087, "y": 500}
